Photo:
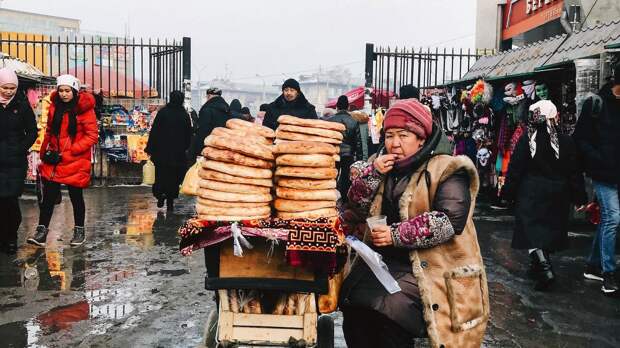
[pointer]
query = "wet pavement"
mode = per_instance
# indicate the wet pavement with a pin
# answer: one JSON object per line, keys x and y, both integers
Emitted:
{"x": 129, "y": 287}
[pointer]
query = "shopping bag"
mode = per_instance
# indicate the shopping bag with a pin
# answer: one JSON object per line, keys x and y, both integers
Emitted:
{"x": 189, "y": 186}
{"x": 148, "y": 173}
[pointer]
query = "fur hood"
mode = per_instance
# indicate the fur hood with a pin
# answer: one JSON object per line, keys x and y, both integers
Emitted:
{"x": 360, "y": 116}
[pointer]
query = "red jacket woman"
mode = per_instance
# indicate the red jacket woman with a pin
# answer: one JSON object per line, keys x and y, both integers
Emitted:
{"x": 65, "y": 154}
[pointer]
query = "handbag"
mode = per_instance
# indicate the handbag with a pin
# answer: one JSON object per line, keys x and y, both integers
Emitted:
{"x": 189, "y": 186}
{"x": 53, "y": 156}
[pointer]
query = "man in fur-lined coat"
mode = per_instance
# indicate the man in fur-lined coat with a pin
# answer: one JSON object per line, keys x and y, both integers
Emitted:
{"x": 429, "y": 243}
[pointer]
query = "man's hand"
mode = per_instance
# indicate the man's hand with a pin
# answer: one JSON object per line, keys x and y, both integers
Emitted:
{"x": 383, "y": 164}
{"x": 381, "y": 236}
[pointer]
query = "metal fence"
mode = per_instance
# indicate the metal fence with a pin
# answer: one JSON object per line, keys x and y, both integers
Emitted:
{"x": 120, "y": 67}
{"x": 387, "y": 69}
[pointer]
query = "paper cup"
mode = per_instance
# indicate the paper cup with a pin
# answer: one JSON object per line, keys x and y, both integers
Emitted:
{"x": 379, "y": 220}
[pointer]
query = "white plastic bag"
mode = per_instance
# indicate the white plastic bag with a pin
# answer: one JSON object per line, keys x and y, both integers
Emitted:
{"x": 375, "y": 262}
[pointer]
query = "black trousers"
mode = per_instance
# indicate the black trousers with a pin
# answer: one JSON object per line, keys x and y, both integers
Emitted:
{"x": 366, "y": 328}
{"x": 344, "y": 181}
{"x": 10, "y": 219}
{"x": 167, "y": 181}
{"x": 51, "y": 192}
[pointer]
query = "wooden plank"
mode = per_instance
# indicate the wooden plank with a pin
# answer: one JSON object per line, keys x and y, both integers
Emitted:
{"x": 255, "y": 264}
{"x": 268, "y": 320}
{"x": 224, "y": 304}
{"x": 225, "y": 326}
{"x": 310, "y": 320}
{"x": 255, "y": 334}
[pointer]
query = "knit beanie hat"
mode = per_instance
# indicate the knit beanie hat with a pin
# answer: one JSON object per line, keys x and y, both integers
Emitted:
{"x": 8, "y": 76}
{"x": 342, "y": 103}
{"x": 408, "y": 91}
{"x": 411, "y": 115}
{"x": 68, "y": 80}
{"x": 291, "y": 83}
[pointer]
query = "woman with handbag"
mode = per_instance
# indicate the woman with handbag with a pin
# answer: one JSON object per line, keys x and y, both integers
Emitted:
{"x": 170, "y": 137}
{"x": 18, "y": 131}
{"x": 66, "y": 155}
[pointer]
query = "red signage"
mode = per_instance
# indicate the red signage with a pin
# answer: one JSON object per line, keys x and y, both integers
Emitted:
{"x": 523, "y": 15}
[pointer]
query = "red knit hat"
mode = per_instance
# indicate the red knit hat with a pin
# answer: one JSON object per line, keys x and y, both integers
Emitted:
{"x": 411, "y": 115}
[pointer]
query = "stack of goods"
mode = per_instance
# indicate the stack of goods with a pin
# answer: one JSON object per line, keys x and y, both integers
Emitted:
{"x": 236, "y": 175}
{"x": 306, "y": 172}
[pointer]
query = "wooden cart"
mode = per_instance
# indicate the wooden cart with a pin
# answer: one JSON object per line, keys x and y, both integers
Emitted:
{"x": 258, "y": 272}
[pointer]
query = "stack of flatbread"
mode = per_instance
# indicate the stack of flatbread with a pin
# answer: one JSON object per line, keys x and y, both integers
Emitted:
{"x": 306, "y": 172}
{"x": 236, "y": 176}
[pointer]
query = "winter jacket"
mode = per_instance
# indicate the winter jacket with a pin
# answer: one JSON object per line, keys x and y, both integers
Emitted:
{"x": 75, "y": 165}
{"x": 544, "y": 187}
{"x": 170, "y": 136}
{"x": 597, "y": 136}
{"x": 351, "y": 142}
{"x": 364, "y": 135}
{"x": 235, "y": 109}
{"x": 299, "y": 107}
{"x": 18, "y": 131}
{"x": 214, "y": 113}
{"x": 447, "y": 265}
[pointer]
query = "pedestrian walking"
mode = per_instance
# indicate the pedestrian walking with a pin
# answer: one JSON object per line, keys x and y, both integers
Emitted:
{"x": 214, "y": 113}
{"x": 235, "y": 109}
{"x": 169, "y": 139}
{"x": 350, "y": 146}
{"x": 291, "y": 102}
{"x": 544, "y": 180}
{"x": 429, "y": 242}
{"x": 246, "y": 114}
{"x": 66, "y": 155}
{"x": 597, "y": 135}
{"x": 18, "y": 131}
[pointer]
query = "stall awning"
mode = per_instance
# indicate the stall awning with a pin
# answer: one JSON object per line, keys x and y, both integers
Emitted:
{"x": 24, "y": 70}
{"x": 356, "y": 98}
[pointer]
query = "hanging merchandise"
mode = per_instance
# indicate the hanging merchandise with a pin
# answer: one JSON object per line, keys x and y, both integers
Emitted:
{"x": 135, "y": 148}
{"x": 377, "y": 125}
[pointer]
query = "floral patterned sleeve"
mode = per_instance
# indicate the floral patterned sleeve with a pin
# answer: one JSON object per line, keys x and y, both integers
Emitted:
{"x": 423, "y": 231}
{"x": 365, "y": 181}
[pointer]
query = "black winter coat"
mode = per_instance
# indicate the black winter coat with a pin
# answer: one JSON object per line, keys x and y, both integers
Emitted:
{"x": 597, "y": 136}
{"x": 351, "y": 143}
{"x": 18, "y": 131}
{"x": 170, "y": 136}
{"x": 544, "y": 188}
{"x": 299, "y": 107}
{"x": 214, "y": 113}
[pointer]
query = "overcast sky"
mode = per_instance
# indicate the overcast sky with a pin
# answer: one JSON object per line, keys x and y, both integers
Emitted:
{"x": 273, "y": 38}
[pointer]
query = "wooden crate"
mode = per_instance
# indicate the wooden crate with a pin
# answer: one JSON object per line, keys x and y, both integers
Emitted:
{"x": 264, "y": 329}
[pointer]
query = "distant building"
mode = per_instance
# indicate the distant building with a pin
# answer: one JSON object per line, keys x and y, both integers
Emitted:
{"x": 26, "y": 22}
{"x": 325, "y": 85}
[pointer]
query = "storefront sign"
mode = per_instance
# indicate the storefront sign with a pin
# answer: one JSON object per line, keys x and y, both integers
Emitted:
{"x": 524, "y": 15}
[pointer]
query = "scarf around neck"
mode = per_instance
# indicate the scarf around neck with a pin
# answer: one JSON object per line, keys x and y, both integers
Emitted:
{"x": 541, "y": 113}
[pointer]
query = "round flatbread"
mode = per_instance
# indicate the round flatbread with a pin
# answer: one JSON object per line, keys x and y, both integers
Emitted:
{"x": 286, "y": 205}
{"x": 213, "y": 175}
{"x": 336, "y": 158}
{"x": 316, "y": 160}
{"x": 234, "y": 188}
{"x": 310, "y": 214}
{"x": 305, "y": 147}
{"x": 305, "y": 137}
{"x": 327, "y": 133}
{"x": 296, "y": 121}
{"x": 263, "y": 131}
{"x": 307, "y": 195}
{"x": 232, "y": 211}
{"x": 307, "y": 172}
{"x": 230, "y": 218}
{"x": 237, "y": 170}
{"x": 241, "y": 133}
{"x": 306, "y": 184}
{"x": 234, "y": 197}
{"x": 247, "y": 148}
{"x": 218, "y": 204}
{"x": 228, "y": 156}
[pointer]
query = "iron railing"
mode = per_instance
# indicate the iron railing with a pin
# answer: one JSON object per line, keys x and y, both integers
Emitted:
{"x": 120, "y": 67}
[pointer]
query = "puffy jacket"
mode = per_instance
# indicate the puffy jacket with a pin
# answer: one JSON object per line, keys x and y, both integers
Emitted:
{"x": 351, "y": 142}
{"x": 18, "y": 131}
{"x": 214, "y": 113}
{"x": 299, "y": 107}
{"x": 75, "y": 165}
{"x": 597, "y": 136}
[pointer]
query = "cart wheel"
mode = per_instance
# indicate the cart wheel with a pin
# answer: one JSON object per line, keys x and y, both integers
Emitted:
{"x": 325, "y": 332}
{"x": 211, "y": 329}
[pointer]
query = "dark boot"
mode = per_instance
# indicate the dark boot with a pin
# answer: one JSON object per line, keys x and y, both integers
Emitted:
{"x": 160, "y": 201}
{"x": 532, "y": 271}
{"x": 40, "y": 236}
{"x": 79, "y": 236}
{"x": 170, "y": 204}
{"x": 544, "y": 276}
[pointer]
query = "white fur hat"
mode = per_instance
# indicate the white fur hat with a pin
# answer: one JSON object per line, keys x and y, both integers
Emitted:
{"x": 68, "y": 80}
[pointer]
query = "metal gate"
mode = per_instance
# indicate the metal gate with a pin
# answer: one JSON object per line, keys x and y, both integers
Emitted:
{"x": 120, "y": 67}
{"x": 387, "y": 69}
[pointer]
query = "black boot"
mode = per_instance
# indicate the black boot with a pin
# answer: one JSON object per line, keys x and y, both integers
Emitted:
{"x": 79, "y": 236}
{"x": 544, "y": 275}
{"x": 40, "y": 236}
{"x": 160, "y": 201}
{"x": 170, "y": 204}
